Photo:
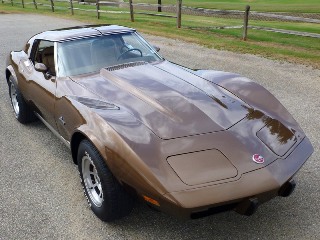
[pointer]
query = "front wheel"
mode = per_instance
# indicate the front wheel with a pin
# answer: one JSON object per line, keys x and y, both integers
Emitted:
{"x": 22, "y": 111}
{"x": 106, "y": 197}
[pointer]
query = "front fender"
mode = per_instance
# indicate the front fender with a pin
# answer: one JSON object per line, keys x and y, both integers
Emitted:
{"x": 252, "y": 93}
{"x": 126, "y": 165}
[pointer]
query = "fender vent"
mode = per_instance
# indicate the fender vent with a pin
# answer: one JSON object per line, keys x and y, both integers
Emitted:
{"x": 125, "y": 65}
{"x": 95, "y": 103}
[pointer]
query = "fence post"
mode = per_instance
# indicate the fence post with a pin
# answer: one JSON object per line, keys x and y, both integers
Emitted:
{"x": 179, "y": 6}
{"x": 35, "y": 4}
{"x": 98, "y": 9}
{"x": 245, "y": 23}
{"x": 71, "y": 7}
{"x": 22, "y": 2}
{"x": 52, "y": 5}
{"x": 131, "y": 11}
{"x": 159, "y": 6}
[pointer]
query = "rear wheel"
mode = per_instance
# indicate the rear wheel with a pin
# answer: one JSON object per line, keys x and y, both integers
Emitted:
{"x": 22, "y": 111}
{"x": 106, "y": 197}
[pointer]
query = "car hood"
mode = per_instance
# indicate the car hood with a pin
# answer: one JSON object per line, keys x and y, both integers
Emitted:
{"x": 171, "y": 101}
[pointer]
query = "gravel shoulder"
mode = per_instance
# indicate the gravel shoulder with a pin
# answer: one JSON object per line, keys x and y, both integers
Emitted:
{"x": 41, "y": 196}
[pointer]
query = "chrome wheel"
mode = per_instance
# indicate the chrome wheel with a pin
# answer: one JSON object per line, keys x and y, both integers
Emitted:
{"x": 14, "y": 100}
{"x": 106, "y": 196}
{"x": 92, "y": 181}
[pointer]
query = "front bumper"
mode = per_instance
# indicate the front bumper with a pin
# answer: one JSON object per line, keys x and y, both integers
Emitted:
{"x": 262, "y": 185}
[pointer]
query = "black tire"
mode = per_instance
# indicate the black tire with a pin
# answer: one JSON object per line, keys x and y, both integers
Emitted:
{"x": 115, "y": 202}
{"x": 22, "y": 111}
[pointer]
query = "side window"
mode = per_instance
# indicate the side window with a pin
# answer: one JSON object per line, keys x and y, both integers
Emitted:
{"x": 44, "y": 53}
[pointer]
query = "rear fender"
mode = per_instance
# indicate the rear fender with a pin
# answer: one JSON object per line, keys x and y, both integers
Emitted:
{"x": 13, "y": 61}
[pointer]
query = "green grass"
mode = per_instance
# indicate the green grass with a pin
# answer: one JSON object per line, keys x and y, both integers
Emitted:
{"x": 291, "y": 48}
{"x": 307, "y": 6}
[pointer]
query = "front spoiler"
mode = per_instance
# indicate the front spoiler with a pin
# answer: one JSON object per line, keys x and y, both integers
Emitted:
{"x": 262, "y": 184}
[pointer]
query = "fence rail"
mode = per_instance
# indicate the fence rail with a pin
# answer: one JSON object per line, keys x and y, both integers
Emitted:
{"x": 176, "y": 11}
{"x": 297, "y": 33}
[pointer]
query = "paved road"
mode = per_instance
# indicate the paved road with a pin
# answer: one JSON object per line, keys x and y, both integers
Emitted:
{"x": 41, "y": 196}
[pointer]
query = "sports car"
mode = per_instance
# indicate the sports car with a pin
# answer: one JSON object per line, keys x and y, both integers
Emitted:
{"x": 186, "y": 142}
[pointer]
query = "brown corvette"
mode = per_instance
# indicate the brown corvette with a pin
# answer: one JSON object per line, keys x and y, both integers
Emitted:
{"x": 190, "y": 143}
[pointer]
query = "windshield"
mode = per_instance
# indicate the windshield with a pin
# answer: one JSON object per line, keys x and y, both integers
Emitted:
{"x": 91, "y": 54}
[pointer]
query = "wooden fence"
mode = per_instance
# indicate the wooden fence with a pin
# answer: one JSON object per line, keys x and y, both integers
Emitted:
{"x": 132, "y": 9}
{"x": 98, "y": 10}
{"x": 172, "y": 11}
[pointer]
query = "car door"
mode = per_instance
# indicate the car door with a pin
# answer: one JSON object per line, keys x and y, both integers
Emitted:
{"x": 41, "y": 85}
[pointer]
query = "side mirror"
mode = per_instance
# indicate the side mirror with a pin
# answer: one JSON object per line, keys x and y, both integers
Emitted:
{"x": 156, "y": 48}
{"x": 40, "y": 67}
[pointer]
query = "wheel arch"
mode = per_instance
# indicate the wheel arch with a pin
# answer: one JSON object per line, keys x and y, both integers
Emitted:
{"x": 10, "y": 72}
{"x": 76, "y": 139}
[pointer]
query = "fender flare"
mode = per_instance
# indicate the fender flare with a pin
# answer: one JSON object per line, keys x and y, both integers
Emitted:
{"x": 10, "y": 72}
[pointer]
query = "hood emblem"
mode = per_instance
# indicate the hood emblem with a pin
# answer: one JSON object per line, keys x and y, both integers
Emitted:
{"x": 258, "y": 158}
